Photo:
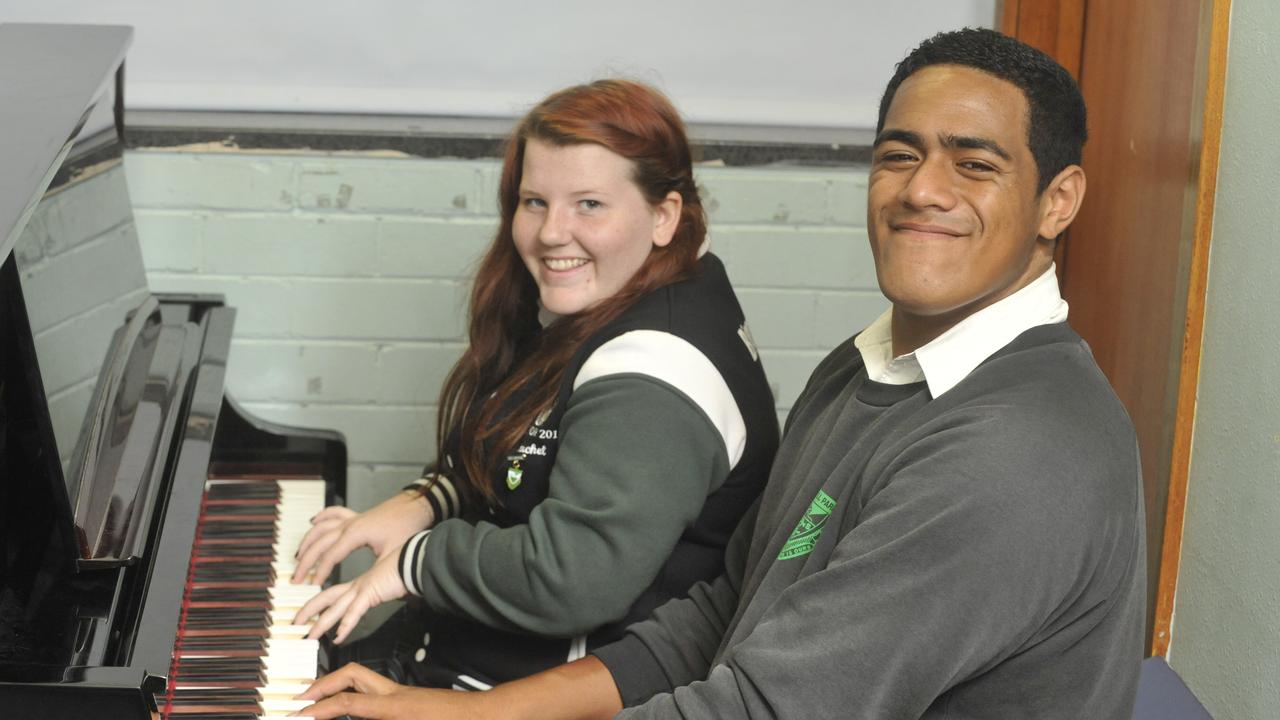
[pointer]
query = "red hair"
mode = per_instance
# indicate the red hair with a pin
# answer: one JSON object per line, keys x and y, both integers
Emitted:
{"x": 508, "y": 350}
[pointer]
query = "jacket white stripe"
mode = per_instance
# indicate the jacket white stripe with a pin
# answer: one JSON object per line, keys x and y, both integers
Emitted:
{"x": 676, "y": 362}
{"x": 409, "y": 563}
{"x": 577, "y": 648}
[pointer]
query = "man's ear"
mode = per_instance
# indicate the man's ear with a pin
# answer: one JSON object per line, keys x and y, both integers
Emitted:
{"x": 1061, "y": 200}
{"x": 666, "y": 218}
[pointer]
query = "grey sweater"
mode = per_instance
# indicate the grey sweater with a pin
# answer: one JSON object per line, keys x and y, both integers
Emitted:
{"x": 976, "y": 555}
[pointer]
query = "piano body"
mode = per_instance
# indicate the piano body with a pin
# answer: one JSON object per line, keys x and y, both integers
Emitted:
{"x": 126, "y": 586}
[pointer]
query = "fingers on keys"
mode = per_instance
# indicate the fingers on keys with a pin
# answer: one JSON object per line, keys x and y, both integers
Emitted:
{"x": 334, "y": 701}
{"x": 317, "y": 542}
{"x": 351, "y": 676}
{"x": 321, "y": 603}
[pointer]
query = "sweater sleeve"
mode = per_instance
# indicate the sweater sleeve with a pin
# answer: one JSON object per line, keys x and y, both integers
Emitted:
{"x": 678, "y": 643}
{"x": 637, "y": 459}
{"x": 967, "y": 558}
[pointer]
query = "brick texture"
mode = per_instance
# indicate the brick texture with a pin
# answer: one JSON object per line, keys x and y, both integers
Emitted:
{"x": 350, "y": 274}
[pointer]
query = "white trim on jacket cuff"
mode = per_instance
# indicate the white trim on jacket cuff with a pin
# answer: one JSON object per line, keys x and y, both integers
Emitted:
{"x": 409, "y": 559}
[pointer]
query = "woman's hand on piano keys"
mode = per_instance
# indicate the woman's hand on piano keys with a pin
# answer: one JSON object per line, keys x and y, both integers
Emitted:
{"x": 378, "y": 698}
{"x": 336, "y": 532}
{"x": 346, "y": 603}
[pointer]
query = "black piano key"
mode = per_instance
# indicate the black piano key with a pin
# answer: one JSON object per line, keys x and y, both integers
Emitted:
{"x": 194, "y": 636}
{"x": 205, "y": 715}
{"x": 220, "y": 645}
{"x": 224, "y": 676}
{"x": 231, "y": 615}
{"x": 228, "y": 674}
{"x": 237, "y": 528}
{"x": 212, "y": 711}
{"x": 206, "y": 664}
{"x": 231, "y": 593}
{"x": 249, "y": 703}
{"x": 244, "y": 647}
{"x": 213, "y": 589}
{"x": 261, "y": 575}
{"x": 256, "y": 519}
{"x": 250, "y": 619}
{"x": 238, "y": 509}
{"x": 256, "y": 489}
{"x": 236, "y": 550}
{"x": 190, "y": 696}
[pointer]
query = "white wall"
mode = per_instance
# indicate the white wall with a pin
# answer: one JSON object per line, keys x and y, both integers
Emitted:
{"x": 1227, "y": 608}
{"x": 819, "y": 63}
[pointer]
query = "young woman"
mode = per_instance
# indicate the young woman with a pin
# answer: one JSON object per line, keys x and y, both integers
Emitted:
{"x": 599, "y": 438}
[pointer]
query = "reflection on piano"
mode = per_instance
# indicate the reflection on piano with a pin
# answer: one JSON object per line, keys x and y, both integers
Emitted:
{"x": 145, "y": 516}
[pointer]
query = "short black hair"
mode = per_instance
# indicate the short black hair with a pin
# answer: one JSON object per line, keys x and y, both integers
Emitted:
{"x": 1056, "y": 114}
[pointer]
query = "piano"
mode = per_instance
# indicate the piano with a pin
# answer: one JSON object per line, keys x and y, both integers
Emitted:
{"x": 144, "y": 515}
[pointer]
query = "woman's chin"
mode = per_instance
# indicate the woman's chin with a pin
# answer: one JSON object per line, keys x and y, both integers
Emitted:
{"x": 566, "y": 303}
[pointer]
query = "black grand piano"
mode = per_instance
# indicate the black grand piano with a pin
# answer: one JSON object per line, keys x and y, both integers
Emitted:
{"x": 123, "y": 562}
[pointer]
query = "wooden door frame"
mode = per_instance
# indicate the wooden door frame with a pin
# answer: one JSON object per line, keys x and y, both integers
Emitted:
{"x": 1058, "y": 28}
{"x": 1211, "y": 74}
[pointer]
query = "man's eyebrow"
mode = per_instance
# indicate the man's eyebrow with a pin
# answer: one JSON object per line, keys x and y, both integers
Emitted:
{"x": 966, "y": 142}
{"x": 905, "y": 137}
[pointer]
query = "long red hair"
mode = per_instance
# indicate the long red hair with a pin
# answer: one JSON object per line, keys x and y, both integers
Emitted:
{"x": 508, "y": 349}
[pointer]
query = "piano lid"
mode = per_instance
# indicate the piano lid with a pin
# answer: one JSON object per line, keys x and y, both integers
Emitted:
{"x": 74, "y": 285}
{"x": 51, "y": 78}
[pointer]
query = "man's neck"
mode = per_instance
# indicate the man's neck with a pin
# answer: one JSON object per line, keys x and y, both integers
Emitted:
{"x": 912, "y": 332}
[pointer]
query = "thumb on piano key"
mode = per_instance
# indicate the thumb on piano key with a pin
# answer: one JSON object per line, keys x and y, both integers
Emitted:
{"x": 351, "y": 676}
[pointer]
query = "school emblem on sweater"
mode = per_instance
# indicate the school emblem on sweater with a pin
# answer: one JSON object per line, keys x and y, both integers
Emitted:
{"x": 805, "y": 536}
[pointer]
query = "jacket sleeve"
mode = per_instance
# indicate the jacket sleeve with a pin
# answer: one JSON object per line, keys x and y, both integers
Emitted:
{"x": 636, "y": 461}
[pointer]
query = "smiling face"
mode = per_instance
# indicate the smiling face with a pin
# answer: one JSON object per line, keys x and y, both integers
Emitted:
{"x": 953, "y": 215}
{"x": 582, "y": 226}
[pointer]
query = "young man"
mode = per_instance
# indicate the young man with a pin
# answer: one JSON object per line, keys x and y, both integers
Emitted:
{"x": 953, "y": 526}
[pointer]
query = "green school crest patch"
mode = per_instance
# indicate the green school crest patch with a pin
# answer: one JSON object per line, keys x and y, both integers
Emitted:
{"x": 513, "y": 475}
{"x": 805, "y": 536}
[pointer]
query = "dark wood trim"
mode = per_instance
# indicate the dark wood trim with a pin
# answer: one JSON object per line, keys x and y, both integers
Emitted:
{"x": 1054, "y": 26}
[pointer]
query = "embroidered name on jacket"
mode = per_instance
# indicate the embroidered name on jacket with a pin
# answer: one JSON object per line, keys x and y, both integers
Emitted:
{"x": 805, "y": 536}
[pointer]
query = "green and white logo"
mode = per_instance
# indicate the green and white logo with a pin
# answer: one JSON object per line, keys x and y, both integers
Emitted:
{"x": 805, "y": 536}
{"x": 513, "y": 475}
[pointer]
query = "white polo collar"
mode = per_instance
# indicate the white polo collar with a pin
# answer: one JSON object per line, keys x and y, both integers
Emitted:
{"x": 950, "y": 357}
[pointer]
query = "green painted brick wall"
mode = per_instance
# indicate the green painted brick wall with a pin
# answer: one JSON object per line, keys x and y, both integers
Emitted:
{"x": 349, "y": 275}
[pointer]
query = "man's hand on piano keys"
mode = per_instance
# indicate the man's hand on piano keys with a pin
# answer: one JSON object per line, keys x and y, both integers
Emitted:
{"x": 581, "y": 690}
{"x": 336, "y": 532}
{"x": 346, "y": 603}
{"x": 378, "y": 698}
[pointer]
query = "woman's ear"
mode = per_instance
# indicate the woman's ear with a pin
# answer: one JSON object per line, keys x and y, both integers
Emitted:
{"x": 666, "y": 218}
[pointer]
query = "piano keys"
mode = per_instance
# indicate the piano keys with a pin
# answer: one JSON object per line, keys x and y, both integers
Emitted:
{"x": 148, "y": 521}
{"x": 237, "y": 649}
